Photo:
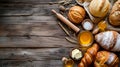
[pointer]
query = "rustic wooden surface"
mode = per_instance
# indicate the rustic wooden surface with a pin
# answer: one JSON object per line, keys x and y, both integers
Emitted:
{"x": 30, "y": 35}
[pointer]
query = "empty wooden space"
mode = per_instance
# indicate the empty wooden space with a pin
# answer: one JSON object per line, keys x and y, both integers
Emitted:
{"x": 30, "y": 35}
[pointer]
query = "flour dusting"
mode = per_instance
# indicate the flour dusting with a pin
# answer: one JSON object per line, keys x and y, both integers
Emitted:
{"x": 117, "y": 45}
{"x": 105, "y": 39}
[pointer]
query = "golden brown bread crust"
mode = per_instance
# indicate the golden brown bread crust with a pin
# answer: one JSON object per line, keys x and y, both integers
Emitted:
{"x": 106, "y": 59}
{"x": 114, "y": 17}
{"x": 76, "y": 14}
{"x": 99, "y": 8}
{"x": 89, "y": 56}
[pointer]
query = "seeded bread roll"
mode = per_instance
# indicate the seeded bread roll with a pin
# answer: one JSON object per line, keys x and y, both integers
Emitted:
{"x": 99, "y": 8}
{"x": 114, "y": 17}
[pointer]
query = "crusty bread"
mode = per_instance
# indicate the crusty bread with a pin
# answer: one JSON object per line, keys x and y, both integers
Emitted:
{"x": 76, "y": 14}
{"x": 99, "y": 8}
{"x": 114, "y": 17}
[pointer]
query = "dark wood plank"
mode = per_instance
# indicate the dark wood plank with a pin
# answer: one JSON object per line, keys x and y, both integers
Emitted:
{"x": 31, "y": 29}
{"x": 33, "y": 57}
{"x": 15, "y": 63}
{"x": 44, "y": 10}
{"x": 26, "y": 9}
{"x": 30, "y": 24}
{"x": 35, "y": 41}
{"x": 50, "y": 63}
{"x": 41, "y": 54}
{"x": 27, "y": 1}
{"x": 26, "y": 19}
{"x": 15, "y": 12}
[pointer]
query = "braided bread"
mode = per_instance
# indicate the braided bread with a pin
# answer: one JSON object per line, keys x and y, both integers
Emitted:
{"x": 114, "y": 17}
{"x": 89, "y": 56}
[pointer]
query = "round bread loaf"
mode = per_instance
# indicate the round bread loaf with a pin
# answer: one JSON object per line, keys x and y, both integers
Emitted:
{"x": 99, "y": 8}
{"x": 114, "y": 17}
{"x": 76, "y": 14}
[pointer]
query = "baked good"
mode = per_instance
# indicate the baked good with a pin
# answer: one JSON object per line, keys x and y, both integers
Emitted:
{"x": 99, "y": 8}
{"x": 89, "y": 56}
{"x": 114, "y": 17}
{"x": 76, "y": 14}
{"x": 109, "y": 40}
{"x": 106, "y": 59}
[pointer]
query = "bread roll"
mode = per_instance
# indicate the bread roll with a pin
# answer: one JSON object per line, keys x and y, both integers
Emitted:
{"x": 114, "y": 17}
{"x": 76, "y": 14}
{"x": 106, "y": 59}
{"x": 99, "y": 8}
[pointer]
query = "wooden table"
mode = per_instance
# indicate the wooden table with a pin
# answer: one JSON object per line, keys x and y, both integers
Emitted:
{"x": 30, "y": 35}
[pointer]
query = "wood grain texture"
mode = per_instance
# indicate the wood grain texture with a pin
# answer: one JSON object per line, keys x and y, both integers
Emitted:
{"x": 43, "y": 57}
{"x": 34, "y": 41}
{"x": 31, "y": 29}
{"x": 26, "y": 9}
{"x": 29, "y": 19}
{"x": 28, "y": 24}
{"x": 33, "y": 57}
{"x": 27, "y": 1}
{"x": 22, "y": 63}
{"x": 34, "y": 54}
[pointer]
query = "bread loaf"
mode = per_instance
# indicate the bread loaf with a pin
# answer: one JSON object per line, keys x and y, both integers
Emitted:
{"x": 109, "y": 40}
{"x": 76, "y": 14}
{"x": 114, "y": 17}
{"x": 106, "y": 59}
{"x": 89, "y": 56}
{"x": 99, "y": 8}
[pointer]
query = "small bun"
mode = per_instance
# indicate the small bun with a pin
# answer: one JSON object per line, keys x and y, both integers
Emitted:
{"x": 99, "y": 8}
{"x": 114, "y": 17}
{"x": 76, "y": 14}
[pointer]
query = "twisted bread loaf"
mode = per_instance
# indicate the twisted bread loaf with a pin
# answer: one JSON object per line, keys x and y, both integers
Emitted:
{"x": 89, "y": 56}
{"x": 109, "y": 40}
{"x": 106, "y": 59}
